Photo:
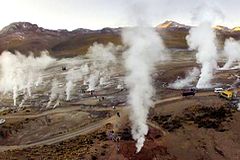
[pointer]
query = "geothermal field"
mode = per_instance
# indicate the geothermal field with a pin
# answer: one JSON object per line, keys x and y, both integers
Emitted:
{"x": 138, "y": 92}
{"x": 123, "y": 101}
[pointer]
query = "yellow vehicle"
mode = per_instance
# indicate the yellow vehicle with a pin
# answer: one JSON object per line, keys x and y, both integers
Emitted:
{"x": 228, "y": 94}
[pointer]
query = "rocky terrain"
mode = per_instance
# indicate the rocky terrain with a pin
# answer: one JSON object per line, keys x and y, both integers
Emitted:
{"x": 26, "y": 37}
{"x": 86, "y": 127}
{"x": 61, "y": 117}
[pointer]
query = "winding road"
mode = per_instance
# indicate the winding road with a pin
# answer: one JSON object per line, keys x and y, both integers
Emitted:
{"x": 84, "y": 130}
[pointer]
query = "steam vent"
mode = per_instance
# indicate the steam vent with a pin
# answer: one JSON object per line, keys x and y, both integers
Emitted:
{"x": 142, "y": 80}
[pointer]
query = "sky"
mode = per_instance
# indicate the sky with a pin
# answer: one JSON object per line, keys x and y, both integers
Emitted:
{"x": 96, "y": 14}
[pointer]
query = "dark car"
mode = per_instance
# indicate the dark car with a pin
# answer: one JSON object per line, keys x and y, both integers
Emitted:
{"x": 189, "y": 92}
{"x": 64, "y": 68}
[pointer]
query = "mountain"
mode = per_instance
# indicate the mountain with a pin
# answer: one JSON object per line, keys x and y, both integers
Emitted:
{"x": 172, "y": 26}
{"x": 236, "y": 29}
{"x": 25, "y": 37}
{"x": 222, "y": 28}
{"x": 174, "y": 34}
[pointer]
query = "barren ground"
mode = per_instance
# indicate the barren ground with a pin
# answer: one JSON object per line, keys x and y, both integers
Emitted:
{"x": 203, "y": 127}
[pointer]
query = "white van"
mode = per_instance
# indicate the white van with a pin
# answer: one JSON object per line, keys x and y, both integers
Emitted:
{"x": 218, "y": 90}
{"x": 2, "y": 121}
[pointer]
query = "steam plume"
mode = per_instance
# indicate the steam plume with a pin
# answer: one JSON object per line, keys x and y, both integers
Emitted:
{"x": 19, "y": 72}
{"x": 207, "y": 52}
{"x": 103, "y": 57}
{"x": 74, "y": 75}
{"x": 56, "y": 94}
{"x": 202, "y": 38}
{"x": 145, "y": 48}
{"x": 186, "y": 82}
{"x": 231, "y": 51}
{"x": 69, "y": 87}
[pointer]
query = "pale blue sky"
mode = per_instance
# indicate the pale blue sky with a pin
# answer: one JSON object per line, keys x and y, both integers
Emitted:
{"x": 96, "y": 14}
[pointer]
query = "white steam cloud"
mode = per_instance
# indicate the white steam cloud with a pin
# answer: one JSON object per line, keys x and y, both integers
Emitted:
{"x": 207, "y": 52}
{"x": 20, "y": 73}
{"x": 232, "y": 52}
{"x": 95, "y": 71}
{"x": 187, "y": 81}
{"x": 57, "y": 94}
{"x": 74, "y": 75}
{"x": 145, "y": 48}
{"x": 103, "y": 57}
{"x": 202, "y": 38}
{"x": 69, "y": 87}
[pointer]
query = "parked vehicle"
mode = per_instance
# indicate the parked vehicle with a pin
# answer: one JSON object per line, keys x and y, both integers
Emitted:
{"x": 189, "y": 92}
{"x": 218, "y": 90}
{"x": 228, "y": 94}
{"x": 2, "y": 121}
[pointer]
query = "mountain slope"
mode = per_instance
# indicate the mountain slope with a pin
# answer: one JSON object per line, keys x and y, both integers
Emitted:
{"x": 25, "y": 37}
{"x": 174, "y": 34}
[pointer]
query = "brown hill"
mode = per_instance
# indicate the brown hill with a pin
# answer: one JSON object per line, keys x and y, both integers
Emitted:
{"x": 25, "y": 37}
{"x": 174, "y": 34}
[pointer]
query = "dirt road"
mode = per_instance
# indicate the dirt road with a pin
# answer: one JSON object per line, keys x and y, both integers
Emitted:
{"x": 200, "y": 94}
{"x": 54, "y": 111}
{"x": 87, "y": 129}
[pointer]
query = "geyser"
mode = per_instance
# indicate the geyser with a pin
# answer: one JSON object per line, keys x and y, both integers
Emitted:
{"x": 74, "y": 75}
{"x": 206, "y": 51}
{"x": 187, "y": 81}
{"x": 144, "y": 49}
{"x": 102, "y": 57}
{"x": 20, "y": 73}
{"x": 57, "y": 93}
{"x": 232, "y": 52}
